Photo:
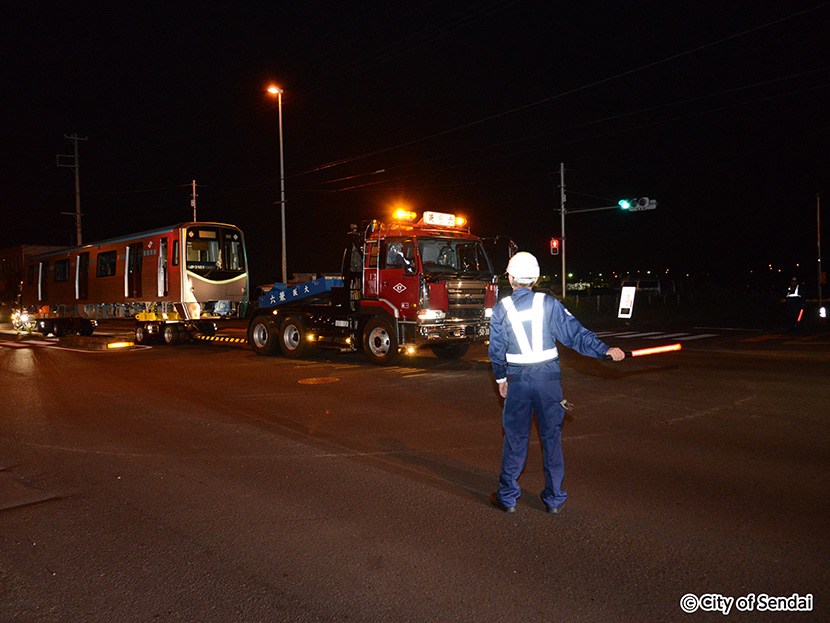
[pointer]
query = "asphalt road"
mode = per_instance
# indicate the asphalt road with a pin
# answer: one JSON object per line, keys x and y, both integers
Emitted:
{"x": 204, "y": 483}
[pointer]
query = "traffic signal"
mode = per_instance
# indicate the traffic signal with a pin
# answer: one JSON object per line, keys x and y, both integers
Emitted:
{"x": 637, "y": 205}
{"x": 554, "y": 246}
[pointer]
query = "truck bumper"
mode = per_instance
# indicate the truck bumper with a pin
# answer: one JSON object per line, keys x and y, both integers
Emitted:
{"x": 452, "y": 332}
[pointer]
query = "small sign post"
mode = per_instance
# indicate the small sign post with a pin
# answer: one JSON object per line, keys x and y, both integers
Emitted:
{"x": 627, "y": 301}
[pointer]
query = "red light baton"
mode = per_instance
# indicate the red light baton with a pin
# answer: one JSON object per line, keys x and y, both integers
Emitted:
{"x": 650, "y": 351}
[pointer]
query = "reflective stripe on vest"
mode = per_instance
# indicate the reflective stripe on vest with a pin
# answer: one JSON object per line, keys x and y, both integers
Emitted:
{"x": 535, "y": 353}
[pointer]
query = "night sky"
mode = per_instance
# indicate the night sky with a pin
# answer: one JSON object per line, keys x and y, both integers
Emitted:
{"x": 718, "y": 110}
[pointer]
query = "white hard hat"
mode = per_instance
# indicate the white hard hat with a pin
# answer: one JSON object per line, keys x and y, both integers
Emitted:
{"x": 523, "y": 266}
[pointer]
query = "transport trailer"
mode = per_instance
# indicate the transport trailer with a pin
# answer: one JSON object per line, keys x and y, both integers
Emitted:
{"x": 175, "y": 281}
{"x": 403, "y": 286}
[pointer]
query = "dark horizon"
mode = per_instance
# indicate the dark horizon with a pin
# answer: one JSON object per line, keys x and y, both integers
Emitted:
{"x": 716, "y": 111}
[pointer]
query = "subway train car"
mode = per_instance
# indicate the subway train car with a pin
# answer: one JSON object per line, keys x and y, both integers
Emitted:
{"x": 174, "y": 281}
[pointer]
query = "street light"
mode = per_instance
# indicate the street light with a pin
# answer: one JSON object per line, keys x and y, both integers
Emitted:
{"x": 274, "y": 90}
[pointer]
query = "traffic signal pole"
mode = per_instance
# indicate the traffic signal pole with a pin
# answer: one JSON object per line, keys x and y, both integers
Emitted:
{"x": 635, "y": 205}
{"x": 562, "y": 200}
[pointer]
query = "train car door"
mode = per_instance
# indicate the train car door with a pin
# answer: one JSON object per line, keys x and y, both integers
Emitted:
{"x": 162, "y": 268}
{"x": 42, "y": 280}
{"x": 82, "y": 276}
{"x": 135, "y": 252}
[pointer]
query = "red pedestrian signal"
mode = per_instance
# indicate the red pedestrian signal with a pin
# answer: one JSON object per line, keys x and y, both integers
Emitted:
{"x": 554, "y": 246}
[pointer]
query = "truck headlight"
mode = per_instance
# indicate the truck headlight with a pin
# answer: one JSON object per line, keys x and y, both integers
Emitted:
{"x": 431, "y": 314}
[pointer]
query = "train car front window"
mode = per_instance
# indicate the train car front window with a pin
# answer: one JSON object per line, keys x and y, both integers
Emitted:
{"x": 214, "y": 252}
{"x": 233, "y": 250}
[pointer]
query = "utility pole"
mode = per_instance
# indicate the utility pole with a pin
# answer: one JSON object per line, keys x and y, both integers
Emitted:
{"x": 193, "y": 200}
{"x": 562, "y": 200}
{"x": 76, "y": 167}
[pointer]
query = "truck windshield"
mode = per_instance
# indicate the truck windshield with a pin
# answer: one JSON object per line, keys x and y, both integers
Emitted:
{"x": 442, "y": 256}
{"x": 215, "y": 252}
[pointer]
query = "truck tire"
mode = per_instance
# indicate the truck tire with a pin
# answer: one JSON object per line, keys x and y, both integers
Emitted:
{"x": 380, "y": 342}
{"x": 171, "y": 334}
{"x": 293, "y": 338}
{"x": 262, "y": 337}
{"x": 450, "y": 351}
{"x": 87, "y": 328}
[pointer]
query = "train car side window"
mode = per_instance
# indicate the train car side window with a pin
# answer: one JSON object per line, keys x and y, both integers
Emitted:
{"x": 62, "y": 270}
{"x": 175, "y": 253}
{"x": 106, "y": 263}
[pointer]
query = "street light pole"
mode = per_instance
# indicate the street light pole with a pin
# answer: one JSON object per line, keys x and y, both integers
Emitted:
{"x": 273, "y": 90}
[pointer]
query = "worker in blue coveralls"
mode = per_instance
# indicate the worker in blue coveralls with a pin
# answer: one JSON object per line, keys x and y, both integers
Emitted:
{"x": 524, "y": 329}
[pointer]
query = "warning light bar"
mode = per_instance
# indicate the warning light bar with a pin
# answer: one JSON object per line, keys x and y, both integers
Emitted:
{"x": 405, "y": 215}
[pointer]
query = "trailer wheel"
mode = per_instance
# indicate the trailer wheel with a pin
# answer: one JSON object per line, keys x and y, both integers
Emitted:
{"x": 380, "y": 343}
{"x": 261, "y": 336}
{"x": 142, "y": 336}
{"x": 171, "y": 334}
{"x": 87, "y": 328}
{"x": 450, "y": 351}
{"x": 293, "y": 338}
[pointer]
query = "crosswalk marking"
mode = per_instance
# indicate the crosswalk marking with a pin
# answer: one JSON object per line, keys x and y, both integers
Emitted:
{"x": 697, "y": 337}
{"x": 683, "y": 336}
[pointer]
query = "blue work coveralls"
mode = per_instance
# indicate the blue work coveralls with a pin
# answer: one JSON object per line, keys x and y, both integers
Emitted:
{"x": 530, "y": 364}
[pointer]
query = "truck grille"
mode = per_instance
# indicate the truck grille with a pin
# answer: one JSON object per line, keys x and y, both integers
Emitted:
{"x": 466, "y": 298}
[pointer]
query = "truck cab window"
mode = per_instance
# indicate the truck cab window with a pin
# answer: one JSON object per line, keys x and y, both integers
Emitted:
{"x": 398, "y": 253}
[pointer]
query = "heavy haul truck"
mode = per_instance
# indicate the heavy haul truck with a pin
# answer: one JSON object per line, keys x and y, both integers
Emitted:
{"x": 403, "y": 286}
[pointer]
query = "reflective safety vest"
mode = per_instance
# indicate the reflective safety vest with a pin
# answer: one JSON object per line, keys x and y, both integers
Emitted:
{"x": 530, "y": 352}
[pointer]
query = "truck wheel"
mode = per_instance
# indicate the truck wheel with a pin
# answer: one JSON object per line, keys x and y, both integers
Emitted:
{"x": 172, "y": 334}
{"x": 261, "y": 336}
{"x": 450, "y": 351}
{"x": 293, "y": 338}
{"x": 87, "y": 328}
{"x": 380, "y": 343}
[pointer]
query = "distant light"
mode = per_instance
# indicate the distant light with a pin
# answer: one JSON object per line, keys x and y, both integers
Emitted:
{"x": 822, "y": 313}
{"x": 274, "y": 90}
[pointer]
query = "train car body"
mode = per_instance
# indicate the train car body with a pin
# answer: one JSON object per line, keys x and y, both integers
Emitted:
{"x": 179, "y": 277}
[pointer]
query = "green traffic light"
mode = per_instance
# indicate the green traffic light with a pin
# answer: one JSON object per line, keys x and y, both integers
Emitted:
{"x": 624, "y": 204}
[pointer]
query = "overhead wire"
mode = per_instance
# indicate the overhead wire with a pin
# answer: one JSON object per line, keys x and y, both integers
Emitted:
{"x": 563, "y": 94}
